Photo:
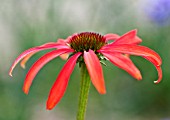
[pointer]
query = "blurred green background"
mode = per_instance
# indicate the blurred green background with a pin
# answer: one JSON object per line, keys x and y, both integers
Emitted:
{"x": 25, "y": 24}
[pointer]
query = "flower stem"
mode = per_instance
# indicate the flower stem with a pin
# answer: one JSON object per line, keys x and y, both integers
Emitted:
{"x": 84, "y": 92}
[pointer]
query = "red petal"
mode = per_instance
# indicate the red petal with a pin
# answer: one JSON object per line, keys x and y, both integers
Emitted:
{"x": 159, "y": 74}
{"x": 59, "y": 87}
{"x": 143, "y": 51}
{"x": 33, "y": 50}
{"x": 62, "y": 45}
{"x": 146, "y": 52}
{"x": 111, "y": 36}
{"x": 39, "y": 64}
{"x": 25, "y": 59}
{"x": 95, "y": 71}
{"x": 124, "y": 63}
{"x": 62, "y": 41}
{"x": 127, "y": 38}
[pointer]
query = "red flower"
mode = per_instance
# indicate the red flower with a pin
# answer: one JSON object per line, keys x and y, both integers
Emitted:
{"x": 89, "y": 48}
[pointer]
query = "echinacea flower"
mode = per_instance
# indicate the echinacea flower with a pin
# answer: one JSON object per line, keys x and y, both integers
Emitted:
{"x": 89, "y": 49}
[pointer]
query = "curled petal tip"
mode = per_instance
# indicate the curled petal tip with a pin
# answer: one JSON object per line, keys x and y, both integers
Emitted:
{"x": 159, "y": 75}
{"x": 10, "y": 74}
{"x": 156, "y": 82}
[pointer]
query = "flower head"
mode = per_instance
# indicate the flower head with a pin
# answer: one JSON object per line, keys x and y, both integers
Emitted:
{"x": 88, "y": 48}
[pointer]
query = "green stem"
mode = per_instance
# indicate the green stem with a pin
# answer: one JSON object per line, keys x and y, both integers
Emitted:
{"x": 84, "y": 92}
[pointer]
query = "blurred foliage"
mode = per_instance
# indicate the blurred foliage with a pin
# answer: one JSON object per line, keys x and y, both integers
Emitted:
{"x": 26, "y": 24}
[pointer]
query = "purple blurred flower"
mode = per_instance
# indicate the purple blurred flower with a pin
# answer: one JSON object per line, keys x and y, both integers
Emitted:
{"x": 159, "y": 11}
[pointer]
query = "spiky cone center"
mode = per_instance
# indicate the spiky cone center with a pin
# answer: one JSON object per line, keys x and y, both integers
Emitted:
{"x": 87, "y": 40}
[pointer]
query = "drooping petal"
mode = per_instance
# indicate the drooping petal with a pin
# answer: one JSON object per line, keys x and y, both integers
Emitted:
{"x": 111, "y": 36}
{"x": 159, "y": 70}
{"x": 95, "y": 71}
{"x": 60, "y": 85}
{"x": 159, "y": 74}
{"x": 39, "y": 64}
{"x": 138, "y": 50}
{"x": 25, "y": 59}
{"x": 143, "y": 51}
{"x": 33, "y": 50}
{"x": 124, "y": 63}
